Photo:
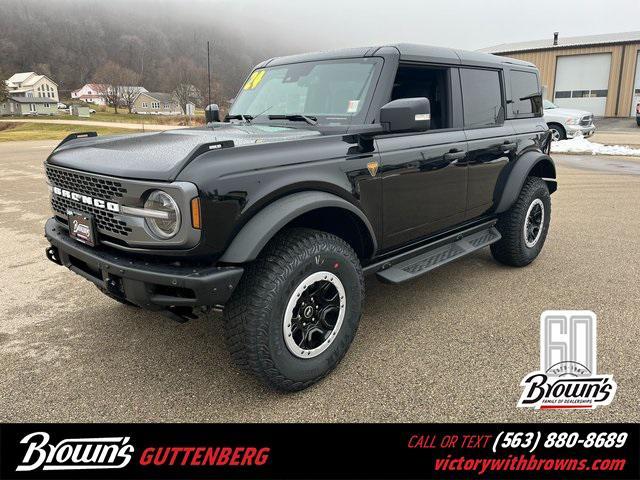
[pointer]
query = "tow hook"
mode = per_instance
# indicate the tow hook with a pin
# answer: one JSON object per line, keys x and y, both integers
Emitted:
{"x": 52, "y": 254}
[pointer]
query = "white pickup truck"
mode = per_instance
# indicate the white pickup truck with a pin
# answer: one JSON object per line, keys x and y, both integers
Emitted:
{"x": 567, "y": 122}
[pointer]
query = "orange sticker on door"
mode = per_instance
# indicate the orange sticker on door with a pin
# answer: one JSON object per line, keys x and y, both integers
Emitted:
{"x": 254, "y": 80}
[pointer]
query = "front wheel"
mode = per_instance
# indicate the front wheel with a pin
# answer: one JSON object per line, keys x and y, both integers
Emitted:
{"x": 524, "y": 226}
{"x": 296, "y": 309}
{"x": 557, "y": 132}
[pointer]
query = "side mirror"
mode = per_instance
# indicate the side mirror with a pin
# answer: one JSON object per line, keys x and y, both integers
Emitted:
{"x": 406, "y": 115}
{"x": 212, "y": 113}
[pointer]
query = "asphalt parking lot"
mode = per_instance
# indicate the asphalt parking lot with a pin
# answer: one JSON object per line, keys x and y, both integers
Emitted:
{"x": 450, "y": 347}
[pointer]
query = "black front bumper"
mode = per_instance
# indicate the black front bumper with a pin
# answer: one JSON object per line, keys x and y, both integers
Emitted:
{"x": 150, "y": 285}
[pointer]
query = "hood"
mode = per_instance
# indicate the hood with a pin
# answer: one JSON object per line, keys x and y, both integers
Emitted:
{"x": 161, "y": 156}
{"x": 565, "y": 113}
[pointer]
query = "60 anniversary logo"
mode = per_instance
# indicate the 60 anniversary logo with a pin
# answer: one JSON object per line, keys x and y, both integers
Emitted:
{"x": 117, "y": 452}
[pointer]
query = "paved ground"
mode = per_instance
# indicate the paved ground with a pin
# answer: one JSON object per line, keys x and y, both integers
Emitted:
{"x": 131, "y": 125}
{"x": 617, "y": 124}
{"x": 452, "y": 346}
{"x": 617, "y": 131}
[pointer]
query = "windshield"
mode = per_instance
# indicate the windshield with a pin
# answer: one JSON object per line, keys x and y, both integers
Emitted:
{"x": 548, "y": 105}
{"x": 332, "y": 91}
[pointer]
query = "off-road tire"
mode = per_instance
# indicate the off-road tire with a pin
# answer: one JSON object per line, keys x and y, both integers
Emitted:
{"x": 254, "y": 316}
{"x": 512, "y": 248}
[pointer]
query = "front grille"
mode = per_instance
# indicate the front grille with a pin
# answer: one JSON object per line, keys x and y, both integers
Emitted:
{"x": 81, "y": 183}
{"x": 586, "y": 120}
{"x": 107, "y": 222}
{"x": 118, "y": 229}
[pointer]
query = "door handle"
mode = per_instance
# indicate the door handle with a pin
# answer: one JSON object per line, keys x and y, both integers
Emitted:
{"x": 454, "y": 155}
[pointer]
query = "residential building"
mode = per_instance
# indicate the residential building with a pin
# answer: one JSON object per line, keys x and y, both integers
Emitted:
{"x": 90, "y": 93}
{"x": 32, "y": 85}
{"x": 93, "y": 92}
{"x": 29, "y": 106}
{"x": 598, "y": 73}
{"x": 156, "y": 103}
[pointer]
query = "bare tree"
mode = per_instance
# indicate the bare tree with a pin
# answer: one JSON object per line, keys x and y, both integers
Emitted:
{"x": 109, "y": 78}
{"x": 183, "y": 77}
{"x": 4, "y": 90}
{"x": 186, "y": 93}
{"x": 129, "y": 89}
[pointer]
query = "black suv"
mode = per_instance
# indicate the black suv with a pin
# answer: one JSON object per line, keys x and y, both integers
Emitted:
{"x": 389, "y": 160}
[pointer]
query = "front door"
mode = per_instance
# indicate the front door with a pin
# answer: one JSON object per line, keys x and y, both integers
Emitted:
{"x": 424, "y": 184}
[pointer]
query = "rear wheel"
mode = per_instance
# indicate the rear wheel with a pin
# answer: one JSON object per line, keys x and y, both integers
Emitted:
{"x": 296, "y": 309}
{"x": 524, "y": 226}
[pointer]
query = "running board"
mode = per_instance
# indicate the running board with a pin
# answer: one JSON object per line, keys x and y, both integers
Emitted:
{"x": 425, "y": 262}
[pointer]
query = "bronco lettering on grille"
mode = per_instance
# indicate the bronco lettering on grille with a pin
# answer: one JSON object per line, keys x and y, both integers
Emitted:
{"x": 95, "y": 202}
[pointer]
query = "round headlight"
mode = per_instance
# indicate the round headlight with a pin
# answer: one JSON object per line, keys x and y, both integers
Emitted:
{"x": 163, "y": 228}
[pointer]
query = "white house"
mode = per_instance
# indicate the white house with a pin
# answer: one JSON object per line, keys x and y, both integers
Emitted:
{"x": 93, "y": 92}
{"x": 90, "y": 93}
{"x": 32, "y": 85}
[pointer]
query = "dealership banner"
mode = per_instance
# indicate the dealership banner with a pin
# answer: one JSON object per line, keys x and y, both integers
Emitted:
{"x": 491, "y": 451}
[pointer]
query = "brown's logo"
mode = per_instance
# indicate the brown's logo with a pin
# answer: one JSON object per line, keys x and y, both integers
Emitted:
{"x": 373, "y": 168}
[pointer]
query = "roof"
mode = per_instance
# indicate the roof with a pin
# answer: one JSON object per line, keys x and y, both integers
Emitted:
{"x": 547, "y": 44}
{"x": 19, "y": 77}
{"x": 406, "y": 51}
{"x": 33, "y": 100}
{"x": 160, "y": 96}
{"x": 26, "y": 79}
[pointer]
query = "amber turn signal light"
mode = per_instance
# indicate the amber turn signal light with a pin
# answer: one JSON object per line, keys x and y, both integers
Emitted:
{"x": 195, "y": 213}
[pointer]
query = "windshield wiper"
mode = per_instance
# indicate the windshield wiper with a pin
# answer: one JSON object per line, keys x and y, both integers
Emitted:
{"x": 298, "y": 117}
{"x": 244, "y": 118}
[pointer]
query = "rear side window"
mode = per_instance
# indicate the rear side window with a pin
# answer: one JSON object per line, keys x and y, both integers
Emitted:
{"x": 525, "y": 93}
{"x": 482, "y": 97}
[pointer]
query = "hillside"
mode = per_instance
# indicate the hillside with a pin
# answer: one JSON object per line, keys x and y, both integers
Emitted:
{"x": 71, "y": 39}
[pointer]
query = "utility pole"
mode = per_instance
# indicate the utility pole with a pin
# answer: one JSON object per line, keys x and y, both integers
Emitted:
{"x": 208, "y": 75}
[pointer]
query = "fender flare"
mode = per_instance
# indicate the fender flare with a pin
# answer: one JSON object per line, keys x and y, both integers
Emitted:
{"x": 261, "y": 228}
{"x": 517, "y": 175}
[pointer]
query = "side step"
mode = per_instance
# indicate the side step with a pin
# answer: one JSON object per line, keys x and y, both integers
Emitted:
{"x": 425, "y": 262}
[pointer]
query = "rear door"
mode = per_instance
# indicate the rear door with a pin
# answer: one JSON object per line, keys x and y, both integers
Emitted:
{"x": 491, "y": 142}
{"x": 424, "y": 176}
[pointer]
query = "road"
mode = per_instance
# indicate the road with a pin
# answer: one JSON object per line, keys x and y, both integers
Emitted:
{"x": 94, "y": 123}
{"x": 451, "y": 346}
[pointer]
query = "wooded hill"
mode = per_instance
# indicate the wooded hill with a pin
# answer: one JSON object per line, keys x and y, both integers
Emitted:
{"x": 163, "y": 42}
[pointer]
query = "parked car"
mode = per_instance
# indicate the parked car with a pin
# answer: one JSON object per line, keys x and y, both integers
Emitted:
{"x": 62, "y": 106}
{"x": 567, "y": 122}
{"x": 638, "y": 114}
{"x": 388, "y": 161}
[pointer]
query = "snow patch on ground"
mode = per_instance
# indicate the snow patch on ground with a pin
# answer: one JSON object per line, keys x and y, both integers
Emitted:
{"x": 580, "y": 144}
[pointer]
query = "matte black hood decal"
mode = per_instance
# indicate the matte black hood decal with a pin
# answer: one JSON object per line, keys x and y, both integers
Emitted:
{"x": 161, "y": 156}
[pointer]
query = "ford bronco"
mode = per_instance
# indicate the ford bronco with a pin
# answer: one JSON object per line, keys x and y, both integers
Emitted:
{"x": 389, "y": 160}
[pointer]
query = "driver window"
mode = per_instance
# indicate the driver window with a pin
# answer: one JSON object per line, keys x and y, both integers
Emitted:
{"x": 430, "y": 82}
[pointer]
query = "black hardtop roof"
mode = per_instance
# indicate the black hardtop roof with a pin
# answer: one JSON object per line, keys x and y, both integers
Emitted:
{"x": 409, "y": 52}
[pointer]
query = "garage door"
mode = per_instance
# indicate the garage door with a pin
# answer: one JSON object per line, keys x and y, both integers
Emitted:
{"x": 582, "y": 82}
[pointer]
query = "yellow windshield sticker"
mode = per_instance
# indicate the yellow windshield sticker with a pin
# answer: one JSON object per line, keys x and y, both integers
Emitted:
{"x": 254, "y": 80}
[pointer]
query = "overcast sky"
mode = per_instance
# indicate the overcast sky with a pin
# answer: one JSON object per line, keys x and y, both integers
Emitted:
{"x": 467, "y": 24}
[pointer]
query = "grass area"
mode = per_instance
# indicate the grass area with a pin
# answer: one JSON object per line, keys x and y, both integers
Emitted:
{"x": 107, "y": 114}
{"x": 41, "y": 131}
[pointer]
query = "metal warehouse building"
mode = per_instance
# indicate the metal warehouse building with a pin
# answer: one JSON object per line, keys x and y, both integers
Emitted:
{"x": 598, "y": 73}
